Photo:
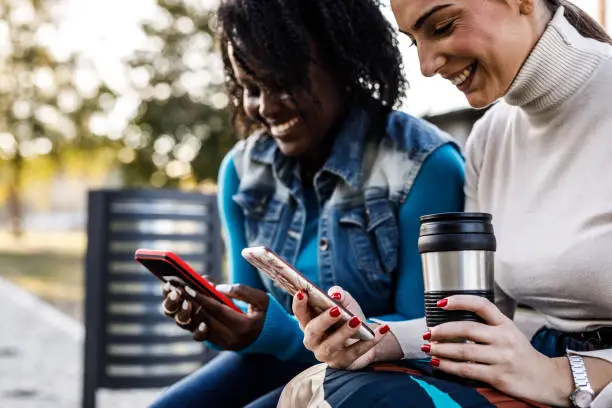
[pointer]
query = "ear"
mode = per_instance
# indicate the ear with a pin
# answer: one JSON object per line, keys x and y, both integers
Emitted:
{"x": 526, "y": 7}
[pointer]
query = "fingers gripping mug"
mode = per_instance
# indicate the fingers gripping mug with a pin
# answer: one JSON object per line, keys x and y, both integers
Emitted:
{"x": 457, "y": 252}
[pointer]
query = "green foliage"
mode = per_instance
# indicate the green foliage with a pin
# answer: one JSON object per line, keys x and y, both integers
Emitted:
{"x": 48, "y": 100}
{"x": 182, "y": 124}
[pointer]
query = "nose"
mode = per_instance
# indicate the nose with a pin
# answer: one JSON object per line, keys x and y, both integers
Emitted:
{"x": 431, "y": 60}
{"x": 269, "y": 104}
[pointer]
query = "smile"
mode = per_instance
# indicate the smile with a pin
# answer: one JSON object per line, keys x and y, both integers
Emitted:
{"x": 462, "y": 78}
{"x": 283, "y": 128}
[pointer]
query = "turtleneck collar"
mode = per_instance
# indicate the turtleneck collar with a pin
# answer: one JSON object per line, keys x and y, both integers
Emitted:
{"x": 560, "y": 63}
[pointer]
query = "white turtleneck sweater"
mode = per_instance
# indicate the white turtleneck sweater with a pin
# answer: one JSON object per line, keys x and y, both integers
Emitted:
{"x": 540, "y": 162}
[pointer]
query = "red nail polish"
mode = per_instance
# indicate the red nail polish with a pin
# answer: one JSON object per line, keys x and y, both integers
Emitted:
{"x": 354, "y": 322}
{"x": 336, "y": 296}
{"x": 300, "y": 295}
{"x": 425, "y": 348}
{"x": 427, "y": 335}
{"x": 435, "y": 362}
{"x": 384, "y": 329}
{"x": 442, "y": 302}
{"x": 334, "y": 312}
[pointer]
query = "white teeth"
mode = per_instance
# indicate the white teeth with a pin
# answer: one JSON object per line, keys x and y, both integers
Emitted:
{"x": 462, "y": 77}
{"x": 284, "y": 127}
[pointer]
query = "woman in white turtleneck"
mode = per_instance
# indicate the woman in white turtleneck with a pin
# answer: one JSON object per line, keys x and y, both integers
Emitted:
{"x": 540, "y": 161}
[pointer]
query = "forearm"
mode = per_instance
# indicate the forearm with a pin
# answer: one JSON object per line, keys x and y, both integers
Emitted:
{"x": 599, "y": 372}
{"x": 406, "y": 339}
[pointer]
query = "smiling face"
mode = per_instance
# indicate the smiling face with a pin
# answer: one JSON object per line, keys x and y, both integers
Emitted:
{"x": 298, "y": 121}
{"x": 478, "y": 45}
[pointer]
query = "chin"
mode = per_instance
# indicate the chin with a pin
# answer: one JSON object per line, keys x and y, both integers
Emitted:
{"x": 290, "y": 149}
{"x": 481, "y": 98}
{"x": 479, "y": 101}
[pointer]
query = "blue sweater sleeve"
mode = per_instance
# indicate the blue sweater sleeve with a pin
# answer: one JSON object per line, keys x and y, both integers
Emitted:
{"x": 232, "y": 226}
{"x": 281, "y": 334}
{"x": 437, "y": 188}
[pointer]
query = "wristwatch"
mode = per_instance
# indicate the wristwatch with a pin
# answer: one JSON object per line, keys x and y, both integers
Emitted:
{"x": 583, "y": 395}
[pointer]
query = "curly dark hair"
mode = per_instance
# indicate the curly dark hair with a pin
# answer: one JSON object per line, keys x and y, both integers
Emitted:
{"x": 354, "y": 42}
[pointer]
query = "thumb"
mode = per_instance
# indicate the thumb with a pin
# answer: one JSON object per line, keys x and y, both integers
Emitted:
{"x": 258, "y": 299}
{"x": 346, "y": 300}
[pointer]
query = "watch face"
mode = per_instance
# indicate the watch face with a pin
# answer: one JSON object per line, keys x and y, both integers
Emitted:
{"x": 583, "y": 399}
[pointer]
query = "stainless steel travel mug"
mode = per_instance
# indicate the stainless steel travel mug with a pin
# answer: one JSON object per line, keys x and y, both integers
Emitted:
{"x": 457, "y": 252}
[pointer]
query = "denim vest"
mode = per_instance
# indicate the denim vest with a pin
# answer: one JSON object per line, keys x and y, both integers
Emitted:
{"x": 360, "y": 189}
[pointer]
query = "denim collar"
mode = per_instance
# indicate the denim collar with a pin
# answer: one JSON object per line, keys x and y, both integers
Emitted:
{"x": 346, "y": 156}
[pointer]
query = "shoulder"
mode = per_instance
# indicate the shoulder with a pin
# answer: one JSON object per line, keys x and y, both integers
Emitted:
{"x": 244, "y": 146}
{"x": 408, "y": 143}
{"x": 407, "y": 133}
{"x": 227, "y": 167}
{"x": 446, "y": 159}
{"x": 596, "y": 95}
{"x": 491, "y": 128}
{"x": 243, "y": 152}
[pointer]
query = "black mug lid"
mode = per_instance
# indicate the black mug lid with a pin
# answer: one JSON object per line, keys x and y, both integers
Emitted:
{"x": 456, "y": 223}
{"x": 456, "y": 231}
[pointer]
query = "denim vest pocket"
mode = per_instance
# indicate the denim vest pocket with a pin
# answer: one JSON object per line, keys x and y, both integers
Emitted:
{"x": 262, "y": 213}
{"x": 372, "y": 233}
{"x": 383, "y": 224}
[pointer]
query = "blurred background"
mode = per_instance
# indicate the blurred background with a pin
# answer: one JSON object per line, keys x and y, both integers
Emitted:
{"x": 118, "y": 94}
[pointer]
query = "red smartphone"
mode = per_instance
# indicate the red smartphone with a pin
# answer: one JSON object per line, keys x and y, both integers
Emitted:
{"x": 169, "y": 267}
{"x": 289, "y": 279}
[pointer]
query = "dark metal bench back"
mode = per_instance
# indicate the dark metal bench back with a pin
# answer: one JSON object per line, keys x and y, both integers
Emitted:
{"x": 128, "y": 342}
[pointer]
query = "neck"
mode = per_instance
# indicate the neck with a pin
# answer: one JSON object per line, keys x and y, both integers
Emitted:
{"x": 314, "y": 159}
{"x": 542, "y": 16}
{"x": 538, "y": 23}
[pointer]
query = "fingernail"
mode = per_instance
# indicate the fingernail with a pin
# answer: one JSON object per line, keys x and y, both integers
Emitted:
{"x": 435, "y": 362}
{"x": 202, "y": 327}
{"x": 384, "y": 329}
{"x": 173, "y": 295}
{"x": 190, "y": 291}
{"x": 442, "y": 302}
{"x": 185, "y": 305}
{"x": 354, "y": 322}
{"x": 167, "y": 286}
{"x": 224, "y": 287}
{"x": 427, "y": 335}
{"x": 336, "y": 296}
{"x": 425, "y": 348}
{"x": 334, "y": 312}
{"x": 300, "y": 295}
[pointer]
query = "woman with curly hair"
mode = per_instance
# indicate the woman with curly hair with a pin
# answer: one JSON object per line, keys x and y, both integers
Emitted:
{"x": 328, "y": 175}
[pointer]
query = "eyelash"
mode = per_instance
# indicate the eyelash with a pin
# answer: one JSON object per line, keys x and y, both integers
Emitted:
{"x": 438, "y": 31}
{"x": 445, "y": 28}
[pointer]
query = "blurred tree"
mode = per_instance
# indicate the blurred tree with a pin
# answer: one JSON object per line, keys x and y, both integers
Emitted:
{"x": 180, "y": 131}
{"x": 50, "y": 105}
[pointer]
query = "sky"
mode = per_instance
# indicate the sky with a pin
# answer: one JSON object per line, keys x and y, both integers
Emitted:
{"x": 107, "y": 31}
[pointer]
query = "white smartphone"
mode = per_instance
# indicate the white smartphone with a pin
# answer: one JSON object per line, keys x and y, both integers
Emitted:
{"x": 289, "y": 279}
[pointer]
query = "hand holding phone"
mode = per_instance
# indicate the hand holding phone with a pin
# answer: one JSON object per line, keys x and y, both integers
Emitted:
{"x": 289, "y": 279}
{"x": 206, "y": 311}
{"x": 169, "y": 267}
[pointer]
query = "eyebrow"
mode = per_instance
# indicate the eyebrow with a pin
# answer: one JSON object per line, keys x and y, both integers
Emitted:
{"x": 419, "y": 23}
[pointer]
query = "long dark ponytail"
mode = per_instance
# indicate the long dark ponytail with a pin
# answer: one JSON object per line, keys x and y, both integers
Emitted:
{"x": 584, "y": 23}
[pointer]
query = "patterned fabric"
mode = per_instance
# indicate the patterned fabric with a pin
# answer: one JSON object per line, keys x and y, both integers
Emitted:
{"x": 412, "y": 383}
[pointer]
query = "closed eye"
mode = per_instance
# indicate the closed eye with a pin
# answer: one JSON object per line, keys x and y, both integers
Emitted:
{"x": 444, "y": 28}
